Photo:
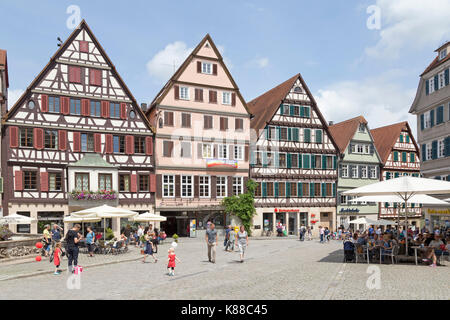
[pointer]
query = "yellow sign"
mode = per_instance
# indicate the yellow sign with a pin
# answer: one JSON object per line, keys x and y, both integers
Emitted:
{"x": 438, "y": 211}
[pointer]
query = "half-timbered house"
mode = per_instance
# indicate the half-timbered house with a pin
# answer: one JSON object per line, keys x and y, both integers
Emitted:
{"x": 202, "y": 140}
{"x": 400, "y": 156}
{"x": 76, "y": 138}
{"x": 294, "y": 160}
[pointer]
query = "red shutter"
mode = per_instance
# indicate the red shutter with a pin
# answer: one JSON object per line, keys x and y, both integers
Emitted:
{"x": 123, "y": 111}
{"x": 62, "y": 140}
{"x": 105, "y": 109}
{"x": 38, "y": 138}
{"x": 152, "y": 183}
{"x": 133, "y": 183}
{"x": 85, "y": 107}
{"x": 199, "y": 66}
{"x": 149, "y": 145}
{"x": 84, "y": 46}
{"x": 44, "y": 181}
{"x": 76, "y": 142}
{"x": 215, "y": 69}
{"x": 109, "y": 143}
{"x": 233, "y": 99}
{"x": 98, "y": 142}
{"x": 176, "y": 91}
{"x": 65, "y": 105}
{"x": 13, "y": 137}
{"x": 18, "y": 180}
{"x": 95, "y": 77}
{"x": 44, "y": 103}
{"x": 74, "y": 74}
{"x": 129, "y": 144}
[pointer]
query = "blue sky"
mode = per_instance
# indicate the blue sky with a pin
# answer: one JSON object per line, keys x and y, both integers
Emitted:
{"x": 350, "y": 69}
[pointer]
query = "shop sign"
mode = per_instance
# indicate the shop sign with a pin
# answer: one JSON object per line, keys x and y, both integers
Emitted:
{"x": 439, "y": 211}
{"x": 349, "y": 210}
{"x": 221, "y": 162}
{"x": 286, "y": 210}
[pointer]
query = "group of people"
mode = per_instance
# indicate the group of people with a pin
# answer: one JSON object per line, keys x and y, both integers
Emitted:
{"x": 232, "y": 238}
{"x": 432, "y": 244}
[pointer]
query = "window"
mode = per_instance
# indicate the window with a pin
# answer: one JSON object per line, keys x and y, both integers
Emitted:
{"x": 360, "y": 148}
{"x": 354, "y": 171}
{"x": 281, "y": 189}
{"x": 223, "y": 151}
{"x": 207, "y": 152}
{"x": 31, "y": 104}
{"x": 87, "y": 142}
{"x": 441, "y": 148}
{"x": 317, "y": 190}
{"x": 362, "y": 128}
{"x": 168, "y": 186}
{"x": 204, "y": 186}
{"x": 282, "y": 160}
{"x": 124, "y": 183}
{"x": 343, "y": 199}
{"x": 298, "y": 90}
{"x": 307, "y": 135}
{"x": 207, "y": 122}
{"x": 185, "y": 149}
{"x": 364, "y": 173}
{"x": 104, "y": 181}
{"x": 319, "y": 136}
{"x": 328, "y": 190}
{"x": 187, "y": 186}
{"x": 95, "y": 108}
{"x": 238, "y": 185}
{"x": 373, "y": 172}
{"x": 329, "y": 162}
{"x": 132, "y": 114}
{"x": 283, "y": 133}
{"x": 53, "y": 104}
{"x": 26, "y": 137}
{"x": 441, "y": 80}
{"x": 305, "y": 189}
{"x": 293, "y": 190}
{"x": 144, "y": 182}
{"x": 344, "y": 171}
{"x": 29, "y": 180}
{"x": 114, "y": 110}
{"x": 226, "y": 98}
{"x": 429, "y": 151}
{"x": 427, "y": 120}
{"x": 168, "y": 148}
{"x": 270, "y": 157}
{"x": 168, "y": 118}
{"x": 184, "y": 93}
{"x": 82, "y": 181}
{"x": 238, "y": 153}
{"x": 75, "y": 106}
{"x": 223, "y": 124}
{"x": 442, "y": 54}
{"x": 206, "y": 68}
{"x": 270, "y": 189}
{"x": 51, "y": 139}
{"x": 412, "y": 157}
{"x": 139, "y": 145}
{"x": 119, "y": 144}
{"x": 258, "y": 190}
{"x": 294, "y": 160}
{"x": 221, "y": 187}
{"x": 239, "y": 124}
{"x": 185, "y": 120}
{"x": 54, "y": 180}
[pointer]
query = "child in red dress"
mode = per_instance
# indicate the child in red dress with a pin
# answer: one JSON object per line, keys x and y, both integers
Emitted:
{"x": 57, "y": 258}
{"x": 171, "y": 261}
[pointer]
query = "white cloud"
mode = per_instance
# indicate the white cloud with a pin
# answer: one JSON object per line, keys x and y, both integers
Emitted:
{"x": 382, "y": 101}
{"x": 260, "y": 63}
{"x": 165, "y": 62}
{"x": 13, "y": 96}
{"x": 410, "y": 24}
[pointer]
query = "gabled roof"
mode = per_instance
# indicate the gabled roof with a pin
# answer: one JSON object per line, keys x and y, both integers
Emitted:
{"x": 264, "y": 107}
{"x": 344, "y": 131}
{"x": 4, "y": 64}
{"x": 62, "y": 48}
{"x": 386, "y": 137}
{"x": 165, "y": 89}
{"x": 92, "y": 160}
{"x": 436, "y": 62}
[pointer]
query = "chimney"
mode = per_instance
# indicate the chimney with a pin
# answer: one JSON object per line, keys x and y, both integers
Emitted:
{"x": 144, "y": 107}
{"x": 330, "y": 123}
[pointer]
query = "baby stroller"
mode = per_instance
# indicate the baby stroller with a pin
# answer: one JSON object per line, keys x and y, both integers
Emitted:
{"x": 349, "y": 251}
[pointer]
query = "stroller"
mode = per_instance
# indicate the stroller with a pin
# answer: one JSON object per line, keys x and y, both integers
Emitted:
{"x": 349, "y": 251}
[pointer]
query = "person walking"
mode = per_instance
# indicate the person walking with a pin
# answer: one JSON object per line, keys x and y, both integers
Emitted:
{"x": 72, "y": 239}
{"x": 321, "y": 232}
{"x": 242, "y": 241}
{"x": 302, "y": 232}
{"x": 57, "y": 253}
{"x": 47, "y": 240}
{"x": 172, "y": 258}
{"x": 231, "y": 240}
{"x": 225, "y": 241}
{"x": 309, "y": 233}
{"x": 90, "y": 239}
{"x": 140, "y": 233}
{"x": 149, "y": 248}
{"x": 211, "y": 238}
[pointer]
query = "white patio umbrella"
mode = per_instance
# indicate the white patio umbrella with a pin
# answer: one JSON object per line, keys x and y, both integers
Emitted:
{"x": 87, "y": 218}
{"x": 104, "y": 212}
{"x": 16, "y": 219}
{"x": 448, "y": 200}
{"x": 418, "y": 198}
{"x": 362, "y": 221}
{"x": 147, "y": 216}
{"x": 405, "y": 188}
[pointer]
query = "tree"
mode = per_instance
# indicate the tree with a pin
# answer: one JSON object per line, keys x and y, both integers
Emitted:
{"x": 243, "y": 205}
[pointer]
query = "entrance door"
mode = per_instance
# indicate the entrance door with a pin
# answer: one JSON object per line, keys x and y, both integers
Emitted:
{"x": 325, "y": 220}
{"x": 291, "y": 225}
{"x": 268, "y": 221}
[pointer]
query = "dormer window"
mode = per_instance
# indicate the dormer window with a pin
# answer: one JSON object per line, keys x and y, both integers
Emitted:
{"x": 442, "y": 54}
{"x": 362, "y": 128}
{"x": 206, "y": 67}
{"x": 298, "y": 90}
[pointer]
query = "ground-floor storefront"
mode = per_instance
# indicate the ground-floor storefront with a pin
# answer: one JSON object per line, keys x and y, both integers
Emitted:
{"x": 437, "y": 217}
{"x": 343, "y": 220}
{"x": 293, "y": 218}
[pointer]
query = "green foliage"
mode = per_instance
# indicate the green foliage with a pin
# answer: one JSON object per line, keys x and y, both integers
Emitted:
{"x": 175, "y": 237}
{"x": 109, "y": 234}
{"x": 5, "y": 233}
{"x": 243, "y": 205}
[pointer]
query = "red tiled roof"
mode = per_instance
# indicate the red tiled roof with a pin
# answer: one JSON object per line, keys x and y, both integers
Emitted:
{"x": 264, "y": 107}
{"x": 344, "y": 131}
{"x": 436, "y": 62}
{"x": 385, "y": 138}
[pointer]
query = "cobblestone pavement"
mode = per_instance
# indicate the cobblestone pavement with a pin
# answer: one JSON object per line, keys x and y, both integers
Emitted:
{"x": 282, "y": 269}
